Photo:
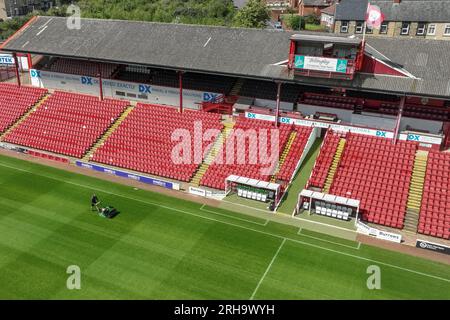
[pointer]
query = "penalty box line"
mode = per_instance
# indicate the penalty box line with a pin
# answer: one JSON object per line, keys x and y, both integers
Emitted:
{"x": 239, "y": 226}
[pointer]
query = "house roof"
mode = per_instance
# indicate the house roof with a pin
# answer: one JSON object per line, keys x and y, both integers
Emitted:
{"x": 239, "y": 3}
{"x": 316, "y": 3}
{"x": 329, "y": 10}
{"x": 247, "y": 53}
{"x": 406, "y": 10}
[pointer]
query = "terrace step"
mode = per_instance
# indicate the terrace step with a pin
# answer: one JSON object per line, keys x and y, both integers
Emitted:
{"x": 283, "y": 156}
{"x": 415, "y": 191}
{"x": 25, "y": 116}
{"x": 212, "y": 153}
{"x": 108, "y": 132}
{"x": 236, "y": 87}
{"x": 334, "y": 165}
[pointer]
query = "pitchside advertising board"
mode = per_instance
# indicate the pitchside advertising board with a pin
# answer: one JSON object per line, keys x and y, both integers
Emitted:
{"x": 338, "y": 127}
{"x": 120, "y": 89}
{"x": 132, "y": 176}
{"x": 379, "y": 234}
{"x": 436, "y": 247}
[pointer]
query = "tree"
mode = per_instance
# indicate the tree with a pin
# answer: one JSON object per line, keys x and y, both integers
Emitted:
{"x": 295, "y": 22}
{"x": 253, "y": 15}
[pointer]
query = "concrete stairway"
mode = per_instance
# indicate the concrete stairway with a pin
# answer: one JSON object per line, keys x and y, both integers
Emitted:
{"x": 283, "y": 156}
{"x": 237, "y": 87}
{"x": 111, "y": 129}
{"x": 415, "y": 191}
{"x": 215, "y": 149}
{"x": 24, "y": 116}
{"x": 334, "y": 165}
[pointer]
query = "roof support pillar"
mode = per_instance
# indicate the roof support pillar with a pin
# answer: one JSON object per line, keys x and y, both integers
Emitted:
{"x": 399, "y": 118}
{"x": 277, "y": 112}
{"x": 100, "y": 82}
{"x": 16, "y": 65}
{"x": 180, "y": 83}
{"x": 30, "y": 62}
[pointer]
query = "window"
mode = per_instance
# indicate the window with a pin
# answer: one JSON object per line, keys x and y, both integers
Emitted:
{"x": 344, "y": 27}
{"x": 431, "y": 29}
{"x": 421, "y": 27}
{"x": 369, "y": 30}
{"x": 359, "y": 27}
{"x": 447, "y": 30}
{"x": 405, "y": 28}
{"x": 384, "y": 28}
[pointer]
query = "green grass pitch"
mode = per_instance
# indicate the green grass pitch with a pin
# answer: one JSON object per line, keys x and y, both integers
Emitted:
{"x": 165, "y": 248}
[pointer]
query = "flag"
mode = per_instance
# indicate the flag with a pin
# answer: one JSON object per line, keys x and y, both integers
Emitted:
{"x": 374, "y": 16}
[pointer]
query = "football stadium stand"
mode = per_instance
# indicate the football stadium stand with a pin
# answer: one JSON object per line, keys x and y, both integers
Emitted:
{"x": 268, "y": 90}
{"x": 386, "y": 110}
{"x": 378, "y": 173}
{"x": 143, "y": 141}
{"x": 329, "y": 101}
{"x": 67, "y": 123}
{"x": 85, "y": 68}
{"x": 292, "y": 153}
{"x": 226, "y": 164}
{"x": 15, "y": 102}
{"x": 434, "y": 217}
{"x": 194, "y": 81}
{"x": 324, "y": 160}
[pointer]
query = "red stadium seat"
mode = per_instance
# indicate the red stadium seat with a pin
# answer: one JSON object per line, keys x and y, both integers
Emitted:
{"x": 16, "y": 101}
{"x": 143, "y": 141}
{"x": 434, "y": 216}
{"x": 324, "y": 160}
{"x": 221, "y": 168}
{"x": 377, "y": 173}
{"x": 67, "y": 123}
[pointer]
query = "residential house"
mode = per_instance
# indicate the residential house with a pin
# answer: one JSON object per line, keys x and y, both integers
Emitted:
{"x": 22, "y": 7}
{"x": 309, "y": 7}
{"x": 327, "y": 17}
{"x": 429, "y": 19}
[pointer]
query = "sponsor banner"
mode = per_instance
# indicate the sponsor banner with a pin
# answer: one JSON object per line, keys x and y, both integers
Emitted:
{"x": 13, "y": 147}
{"x": 394, "y": 237}
{"x": 259, "y": 116}
{"x": 420, "y": 138}
{"x": 121, "y": 89}
{"x": 124, "y": 174}
{"x": 216, "y": 194}
{"x": 320, "y": 64}
{"x": 379, "y": 234}
{"x": 197, "y": 191}
{"x": 363, "y": 228}
{"x": 320, "y": 124}
{"x": 436, "y": 247}
{"x": 6, "y": 59}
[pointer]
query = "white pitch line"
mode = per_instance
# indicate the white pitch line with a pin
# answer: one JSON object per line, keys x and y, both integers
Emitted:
{"x": 243, "y": 205}
{"x": 268, "y": 268}
{"x": 236, "y": 218}
{"x": 238, "y": 226}
{"x": 329, "y": 241}
{"x": 323, "y": 224}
